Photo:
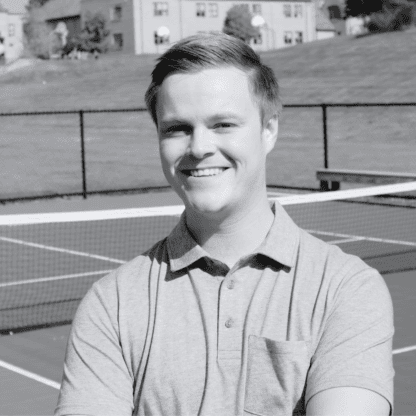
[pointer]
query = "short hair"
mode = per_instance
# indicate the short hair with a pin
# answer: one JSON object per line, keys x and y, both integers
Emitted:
{"x": 213, "y": 50}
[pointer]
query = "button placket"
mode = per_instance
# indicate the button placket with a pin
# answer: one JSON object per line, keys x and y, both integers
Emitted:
{"x": 229, "y": 331}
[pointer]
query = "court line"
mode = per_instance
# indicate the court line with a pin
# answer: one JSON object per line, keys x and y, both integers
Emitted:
{"x": 377, "y": 240}
{"x": 30, "y": 375}
{"x": 48, "y": 279}
{"x": 403, "y": 350}
{"x": 61, "y": 250}
{"x": 345, "y": 240}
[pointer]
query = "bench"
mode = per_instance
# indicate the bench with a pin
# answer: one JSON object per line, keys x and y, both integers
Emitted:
{"x": 331, "y": 178}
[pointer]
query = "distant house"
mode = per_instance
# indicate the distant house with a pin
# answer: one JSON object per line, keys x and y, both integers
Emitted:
{"x": 12, "y": 15}
{"x": 65, "y": 11}
{"x": 334, "y": 12}
{"x": 324, "y": 27}
{"x": 146, "y": 26}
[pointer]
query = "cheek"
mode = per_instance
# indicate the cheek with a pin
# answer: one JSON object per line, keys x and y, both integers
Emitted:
{"x": 171, "y": 151}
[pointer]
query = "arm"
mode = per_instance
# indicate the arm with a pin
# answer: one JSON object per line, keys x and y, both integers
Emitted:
{"x": 352, "y": 368}
{"x": 96, "y": 379}
{"x": 348, "y": 401}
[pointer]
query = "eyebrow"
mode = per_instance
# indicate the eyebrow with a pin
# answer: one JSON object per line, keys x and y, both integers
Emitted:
{"x": 218, "y": 116}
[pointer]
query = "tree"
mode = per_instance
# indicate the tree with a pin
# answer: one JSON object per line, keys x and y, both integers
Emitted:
{"x": 37, "y": 36}
{"x": 35, "y": 3}
{"x": 395, "y": 15}
{"x": 238, "y": 24}
{"x": 354, "y": 8}
{"x": 94, "y": 35}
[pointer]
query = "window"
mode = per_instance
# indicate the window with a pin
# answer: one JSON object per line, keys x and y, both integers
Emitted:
{"x": 245, "y": 5}
{"x": 287, "y": 10}
{"x": 288, "y": 36}
{"x": 116, "y": 13}
{"x": 257, "y": 8}
{"x": 299, "y": 37}
{"x": 213, "y": 9}
{"x": 12, "y": 29}
{"x": 258, "y": 40}
{"x": 298, "y": 10}
{"x": 200, "y": 9}
{"x": 161, "y": 40}
{"x": 118, "y": 41}
{"x": 161, "y": 8}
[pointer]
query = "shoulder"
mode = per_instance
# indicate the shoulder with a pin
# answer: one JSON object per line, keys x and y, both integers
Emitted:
{"x": 334, "y": 276}
{"x": 129, "y": 281}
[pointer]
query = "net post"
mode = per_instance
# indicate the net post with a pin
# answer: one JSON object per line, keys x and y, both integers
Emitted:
{"x": 325, "y": 132}
{"x": 84, "y": 176}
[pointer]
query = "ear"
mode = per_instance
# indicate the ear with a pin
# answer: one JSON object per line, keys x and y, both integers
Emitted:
{"x": 269, "y": 134}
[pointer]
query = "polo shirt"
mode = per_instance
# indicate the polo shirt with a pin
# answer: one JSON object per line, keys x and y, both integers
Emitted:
{"x": 176, "y": 332}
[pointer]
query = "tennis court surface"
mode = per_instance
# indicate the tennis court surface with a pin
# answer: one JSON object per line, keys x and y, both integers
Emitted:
{"x": 49, "y": 260}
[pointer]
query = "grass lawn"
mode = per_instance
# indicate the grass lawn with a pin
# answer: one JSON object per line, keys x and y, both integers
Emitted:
{"x": 41, "y": 154}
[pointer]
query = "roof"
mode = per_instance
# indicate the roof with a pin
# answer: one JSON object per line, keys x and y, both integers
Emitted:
{"x": 57, "y": 9}
{"x": 15, "y": 6}
{"x": 322, "y": 22}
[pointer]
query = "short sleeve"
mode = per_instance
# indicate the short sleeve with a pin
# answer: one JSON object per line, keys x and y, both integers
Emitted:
{"x": 96, "y": 380}
{"x": 355, "y": 349}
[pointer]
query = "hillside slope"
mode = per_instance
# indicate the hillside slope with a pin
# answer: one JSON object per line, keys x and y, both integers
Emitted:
{"x": 345, "y": 69}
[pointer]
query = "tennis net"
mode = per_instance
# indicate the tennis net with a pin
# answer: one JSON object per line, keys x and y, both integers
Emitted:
{"x": 49, "y": 261}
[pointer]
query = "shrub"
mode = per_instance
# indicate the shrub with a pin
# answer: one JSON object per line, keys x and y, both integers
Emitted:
{"x": 94, "y": 35}
{"x": 238, "y": 24}
{"x": 37, "y": 37}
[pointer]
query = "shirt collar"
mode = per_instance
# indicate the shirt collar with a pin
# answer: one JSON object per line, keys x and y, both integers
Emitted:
{"x": 280, "y": 244}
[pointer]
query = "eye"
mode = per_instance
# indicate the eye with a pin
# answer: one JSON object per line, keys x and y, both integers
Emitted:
{"x": 176, "y": 131}
{"x": 224, "y": 126}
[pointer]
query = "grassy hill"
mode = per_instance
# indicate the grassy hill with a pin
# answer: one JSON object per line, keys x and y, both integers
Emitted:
{"x": 344, "y": 69}
{"x": 41, "y": 155}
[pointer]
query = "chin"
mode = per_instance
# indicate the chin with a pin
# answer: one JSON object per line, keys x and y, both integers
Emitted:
{"x": 205, "y": 205}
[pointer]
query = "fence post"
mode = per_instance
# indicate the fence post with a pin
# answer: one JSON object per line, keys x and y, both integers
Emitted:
{"x": 84, "y": 176}
{"x": 325, "y": 127}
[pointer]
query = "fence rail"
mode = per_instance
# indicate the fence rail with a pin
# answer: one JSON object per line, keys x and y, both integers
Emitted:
{"x": 80, "y": 114}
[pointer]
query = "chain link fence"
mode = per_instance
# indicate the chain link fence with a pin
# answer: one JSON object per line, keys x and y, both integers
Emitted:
{"x": 83, "y": 152}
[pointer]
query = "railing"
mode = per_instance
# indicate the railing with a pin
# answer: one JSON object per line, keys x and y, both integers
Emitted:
{"x": 83, "y": 165}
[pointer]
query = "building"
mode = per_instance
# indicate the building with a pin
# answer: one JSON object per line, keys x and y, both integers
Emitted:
{"x": 144, "y": 26}
{"x": 334, "y": 11}
{"x": 324, "y": 27}
{"x": 12, "y": 15}
{"x": 66, "y": 11}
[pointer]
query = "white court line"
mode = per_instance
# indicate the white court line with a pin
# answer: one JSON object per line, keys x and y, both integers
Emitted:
{"x": 273, "y": 194}
{"x": 47, "y": 279}
{"x": 406, "y": 349}
{"x": 345, "y": 240}
{"x": 377, "y": 240}
{"x": 61, "y": 250}
{"x": 29, "y": 374}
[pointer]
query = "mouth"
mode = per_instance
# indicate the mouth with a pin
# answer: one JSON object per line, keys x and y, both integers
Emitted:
{"x": 203, "y": 173}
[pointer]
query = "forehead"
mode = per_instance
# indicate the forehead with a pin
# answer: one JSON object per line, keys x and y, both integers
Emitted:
{"x": 204, "y": 92}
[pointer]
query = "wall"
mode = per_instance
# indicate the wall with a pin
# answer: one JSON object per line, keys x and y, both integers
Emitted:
{"x": 11, "y": 29}
{"x": 323, "y": 34}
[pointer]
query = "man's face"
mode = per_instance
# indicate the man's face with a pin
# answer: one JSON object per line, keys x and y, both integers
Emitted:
{"x": 212, "y": 145}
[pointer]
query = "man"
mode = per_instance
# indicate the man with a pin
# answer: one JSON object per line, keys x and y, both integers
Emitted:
{"x": 237, "y": 311}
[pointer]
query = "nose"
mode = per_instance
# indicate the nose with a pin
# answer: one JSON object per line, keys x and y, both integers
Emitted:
{"x": 201, "y": 143}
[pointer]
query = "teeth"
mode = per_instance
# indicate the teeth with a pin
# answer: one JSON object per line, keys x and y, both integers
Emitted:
{"x": 206, "y": 172}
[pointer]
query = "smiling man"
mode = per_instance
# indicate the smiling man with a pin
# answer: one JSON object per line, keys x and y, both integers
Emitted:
{"x": 238, "y": 311}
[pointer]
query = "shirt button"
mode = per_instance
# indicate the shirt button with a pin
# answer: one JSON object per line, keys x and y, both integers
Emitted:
{"x": 229, "y": 323}
{"x": 231, "y": 284}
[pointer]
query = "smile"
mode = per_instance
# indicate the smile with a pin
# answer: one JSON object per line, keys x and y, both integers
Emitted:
{"x": 197, "y": 173}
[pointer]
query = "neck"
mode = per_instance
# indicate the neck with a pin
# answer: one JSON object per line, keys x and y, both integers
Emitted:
{"x": 228, "y": 239}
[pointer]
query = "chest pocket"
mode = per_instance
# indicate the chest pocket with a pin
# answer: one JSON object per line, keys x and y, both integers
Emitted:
{"x": 276, "y": 376}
